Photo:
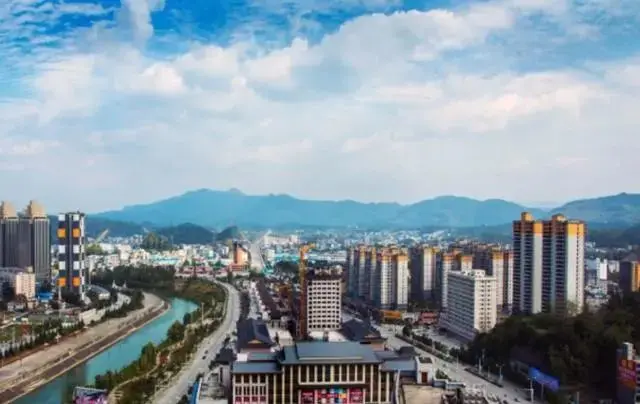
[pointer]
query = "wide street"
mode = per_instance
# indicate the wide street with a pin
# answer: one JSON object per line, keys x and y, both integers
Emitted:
{"x": 510, "y": 392}
{"x": 200, "y": 362}
{"x": 255, "y": 247}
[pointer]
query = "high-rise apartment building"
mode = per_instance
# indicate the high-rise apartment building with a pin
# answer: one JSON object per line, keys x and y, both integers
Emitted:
{"x": 352, "y": 274}
{"x": 463, "y": 262}
{"x": 629, "y": 280}
{"x": 34, "y": 245}
{"x": 549, "y": 265}
{"x": 527, "y": 264}
{"x": 445, "y": 263}
{"x": 507, "y": 289}
{"x": 499, "y": 264}
{"x": 25, "y": 240}
{"x": 422, "y": 265}
{"x": 71, "y": 252}
{"x": 9, "y": 237}
{"x": 324, "y": 300}
{"x": 359, "y": 267}
{"x": 380, "y": 276}
{"x": 471, "y": 303}
{"x": 390, "y": 280}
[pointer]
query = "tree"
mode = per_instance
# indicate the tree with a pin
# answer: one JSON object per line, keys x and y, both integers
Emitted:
{"x": 186, "y": 319}
{"x": 176, "y": 332}
{"x": 95, "y": 249}
{"x": 154, "y": 242}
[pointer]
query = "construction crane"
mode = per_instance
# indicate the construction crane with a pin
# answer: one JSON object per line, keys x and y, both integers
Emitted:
{"x": 100, "y": 237}
{"x": 302, "y": 268}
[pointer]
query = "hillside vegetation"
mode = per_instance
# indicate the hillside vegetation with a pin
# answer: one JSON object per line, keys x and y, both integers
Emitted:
{"x": 220, "y": 208}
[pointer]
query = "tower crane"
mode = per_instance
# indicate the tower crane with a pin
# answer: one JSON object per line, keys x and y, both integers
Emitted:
{"x": 302, "y": 268}
{"x": 101, "y": 236}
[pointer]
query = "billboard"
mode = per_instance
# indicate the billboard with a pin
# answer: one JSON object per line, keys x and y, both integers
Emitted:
{"x": 543, "y": 379}
{"x": 627, "y": 373}
{"x": 332, "y": 396}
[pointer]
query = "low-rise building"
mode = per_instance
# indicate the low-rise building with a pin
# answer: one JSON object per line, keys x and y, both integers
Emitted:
{"x": 364, "y": 333}
{"x": 253, "y": 336}
{"x": 319, "y": 371}
{"x": 20, "y": 281}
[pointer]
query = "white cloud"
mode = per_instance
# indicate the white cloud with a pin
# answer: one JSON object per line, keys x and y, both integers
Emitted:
{"x": 426, "y": 102}
{"x": 136, "y": 15}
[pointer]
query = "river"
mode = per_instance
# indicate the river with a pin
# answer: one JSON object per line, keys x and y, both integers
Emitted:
{"x": 114, "y": 358}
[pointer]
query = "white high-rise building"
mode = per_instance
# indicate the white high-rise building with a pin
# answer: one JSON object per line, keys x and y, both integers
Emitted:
{"x": 379, "y": 276}
{"x": 445, "y": 263}
{"x": 471, "y": 303}
{"x": 324, "y": 300}
{"x": 600, "y": 267}
{"x": 549, "y": 265}
{"x": 390, "y": 280}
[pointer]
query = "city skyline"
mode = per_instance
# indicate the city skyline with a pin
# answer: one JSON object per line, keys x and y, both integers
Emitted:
{"x": 141, "y": 99}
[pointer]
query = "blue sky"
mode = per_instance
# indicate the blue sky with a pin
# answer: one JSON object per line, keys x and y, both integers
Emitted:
{"x": 115, "y": 102}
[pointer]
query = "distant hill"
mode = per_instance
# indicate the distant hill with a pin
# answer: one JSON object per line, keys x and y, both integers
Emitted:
{"x": 616, "y": 210}
{"x": 616, "y": 238}
{"x": 230, "y": 233}
{"x": 220, "y": 208}
{"x": 96, "y": 225}
{"x": 186, "y": 233}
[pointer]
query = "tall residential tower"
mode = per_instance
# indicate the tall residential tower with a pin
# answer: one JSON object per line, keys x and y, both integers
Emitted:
{"x": 71, "y": 252}
{"x": 34, "y": 245}
{"x": 8, "y": 235}
{"x": 549, "y": 265}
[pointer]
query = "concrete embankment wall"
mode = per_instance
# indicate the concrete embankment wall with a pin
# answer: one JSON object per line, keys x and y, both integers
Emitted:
{"x": 80, "y": 355}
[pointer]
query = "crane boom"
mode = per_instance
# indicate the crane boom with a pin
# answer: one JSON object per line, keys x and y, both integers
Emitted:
{"x": 101, "y": 236}
{"x": 302, "y": 268}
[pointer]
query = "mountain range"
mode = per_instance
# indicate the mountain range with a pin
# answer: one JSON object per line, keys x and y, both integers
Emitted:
{"x": 213, "y": 208}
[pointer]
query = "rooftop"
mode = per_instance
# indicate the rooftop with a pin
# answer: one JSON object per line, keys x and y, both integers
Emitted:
{"x": 417, "y": 394}
{"x": 359, "y": 331}
{"x": 253, "y": 333}
{"x": 255, "y": 367}
{"x": 327, "y": 351}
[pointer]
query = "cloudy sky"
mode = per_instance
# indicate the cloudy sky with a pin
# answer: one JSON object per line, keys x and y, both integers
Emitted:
{"x": 115, "y": 102}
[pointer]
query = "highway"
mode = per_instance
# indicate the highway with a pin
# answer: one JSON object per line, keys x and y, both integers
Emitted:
{"x": 200, "y": 361}
{"x": 255, "y": 247}
{"x": 510, "y": 392}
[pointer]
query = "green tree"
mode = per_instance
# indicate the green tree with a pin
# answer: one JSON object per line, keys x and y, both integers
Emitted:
{"x": 154, "y": 242}
{"x": 186, "y": 319}
{"x": 95, "y": 249}
{"x": 176, "y": 332}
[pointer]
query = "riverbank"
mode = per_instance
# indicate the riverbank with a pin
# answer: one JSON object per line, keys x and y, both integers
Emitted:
{"x": 174, "y": 352}
{"x": 42, "y": 369}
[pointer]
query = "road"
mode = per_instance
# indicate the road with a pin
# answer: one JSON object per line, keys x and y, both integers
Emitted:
{"x": 34, "y": 363}
{"x": 200, "y": 362}
{"x": 80, "y": 353}
{"x": 456, "y": 372}
{"x": 255, "y": 249}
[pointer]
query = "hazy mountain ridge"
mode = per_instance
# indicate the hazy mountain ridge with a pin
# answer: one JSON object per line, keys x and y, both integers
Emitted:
{"x": 223, "y": 208}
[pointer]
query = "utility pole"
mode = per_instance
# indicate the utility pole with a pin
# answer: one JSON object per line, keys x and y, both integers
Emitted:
{"x": 530, "y": 390}
{"x": 500, "y": 373}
